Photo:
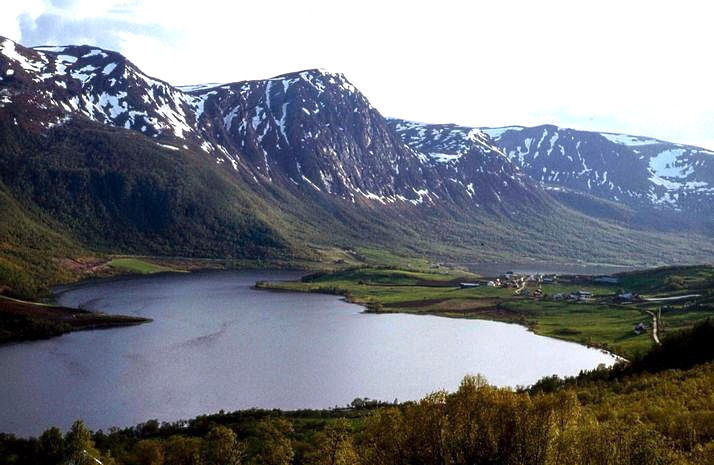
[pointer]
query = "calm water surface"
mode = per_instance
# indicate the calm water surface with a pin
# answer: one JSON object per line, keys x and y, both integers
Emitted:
{"x": 215, "y": 343}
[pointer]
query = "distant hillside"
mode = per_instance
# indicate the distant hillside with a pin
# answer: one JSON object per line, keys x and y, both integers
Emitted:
{"x": 669, "y": 186}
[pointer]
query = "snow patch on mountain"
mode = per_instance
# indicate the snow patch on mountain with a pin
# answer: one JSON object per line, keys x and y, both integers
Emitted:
{"x": 628, "y": 140}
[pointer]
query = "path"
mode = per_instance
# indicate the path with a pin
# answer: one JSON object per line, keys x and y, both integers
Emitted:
{"x": 676, "y": 297}
{"x": 655, "y": 336}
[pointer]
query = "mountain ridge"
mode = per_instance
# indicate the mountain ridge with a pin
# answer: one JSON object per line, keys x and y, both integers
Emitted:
{"x": 275, "y": 167}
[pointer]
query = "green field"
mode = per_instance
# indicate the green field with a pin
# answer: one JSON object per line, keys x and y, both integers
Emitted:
{"x": 603, "y": 322}
{"x": 136, "y": 265}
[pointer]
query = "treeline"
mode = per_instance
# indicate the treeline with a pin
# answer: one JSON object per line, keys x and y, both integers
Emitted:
{"x": 478, "y": 424}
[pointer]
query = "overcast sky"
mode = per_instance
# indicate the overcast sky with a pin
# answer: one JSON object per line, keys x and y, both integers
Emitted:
{"x": 639, "y": 67}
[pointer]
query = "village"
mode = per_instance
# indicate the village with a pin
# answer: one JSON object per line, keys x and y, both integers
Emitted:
{"x": 531, "y": 286}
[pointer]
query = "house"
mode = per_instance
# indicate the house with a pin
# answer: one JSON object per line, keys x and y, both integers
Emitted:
{"x": 491, "y": 284}
{"x": 626, "y": 296}
{"x": 559, "y": 296}
{"x": 581, "y": 296}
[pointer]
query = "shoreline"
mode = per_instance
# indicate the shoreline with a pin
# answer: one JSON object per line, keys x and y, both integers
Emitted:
{"x": 266, "y": 286}
{"x": 26, "y": 321}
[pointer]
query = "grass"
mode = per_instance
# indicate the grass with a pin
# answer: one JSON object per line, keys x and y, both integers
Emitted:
{"x": 606, "y": 326}
{"x": 669, "y": 279}
{"x": 601, "y": 323}
{"x": 135, "y": 265}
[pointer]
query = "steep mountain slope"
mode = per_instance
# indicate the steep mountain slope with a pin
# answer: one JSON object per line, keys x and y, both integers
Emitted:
{"x": 648, "y": 175}
{"x": 311, "y": 128}
{"x": 117, "y": 161}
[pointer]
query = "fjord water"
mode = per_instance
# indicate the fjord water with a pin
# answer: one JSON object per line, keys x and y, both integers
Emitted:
{"x": 217, "y": 343}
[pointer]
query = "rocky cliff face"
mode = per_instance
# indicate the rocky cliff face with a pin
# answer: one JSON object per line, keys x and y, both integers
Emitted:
{"x": 309, "y": 130}
{"x": 639, "y": 172}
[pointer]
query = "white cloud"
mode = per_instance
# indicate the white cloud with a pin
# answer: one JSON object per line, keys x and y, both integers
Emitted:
{"x": 636, "y": 66}
{"x": 12, "y": 10}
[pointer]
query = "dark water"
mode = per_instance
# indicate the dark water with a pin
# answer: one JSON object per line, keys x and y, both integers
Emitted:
{"x": 218, "y": 344}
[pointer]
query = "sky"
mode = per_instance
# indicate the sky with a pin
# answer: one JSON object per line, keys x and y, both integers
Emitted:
{"x": 630, "y": 66}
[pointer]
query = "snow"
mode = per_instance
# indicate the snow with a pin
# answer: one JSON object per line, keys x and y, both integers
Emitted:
{"x": 9, "y": 72}
{"x": 255, "y": 121}
{"x": 175, "y": 120}
{"x": 313, "y": 81}
{"x": 7, "y": 48}
{"x": 281, "y": 122}
{"x": 194, "y": 87}
{"x": 287, "y": 83}
{"x": 495, "y": 133}
{"x": 170, "y": 147}
{"x": 199, "y": 102}
{"x": 228, "y": 119}
{"x": 445, "y": 157}
{"x": 67, "y": 58}
{"x": 46, "y": 48}
{"x": 109, "y": 68}
{"x": 665, "y": 164}
{"x": 115, "y": 108}
{"x": 95, "y": 52}
{"x": 629, "y": 140}
{"x": 553, "y": 139}
{"x": 310, "y": 182}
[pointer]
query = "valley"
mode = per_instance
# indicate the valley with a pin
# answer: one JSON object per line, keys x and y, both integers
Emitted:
{"x": 99, "y": 159}
{"x": 300, "y": 260}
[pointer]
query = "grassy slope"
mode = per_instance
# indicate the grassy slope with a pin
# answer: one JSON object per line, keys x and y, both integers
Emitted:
{"x": 136, "y": 265}
{"x": 29, "y": 248}
{"x": 601, "y": 323}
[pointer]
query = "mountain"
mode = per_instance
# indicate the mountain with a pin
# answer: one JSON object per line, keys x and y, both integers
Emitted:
{"x": 663, "y": 183}
{"x": 311, "y": 128}
{"x": 112, "y": 160}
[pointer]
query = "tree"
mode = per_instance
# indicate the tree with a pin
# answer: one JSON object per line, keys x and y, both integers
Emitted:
{"x": 221, "y": 447}
{"x": 51, "y": 446}
{"x": 273, "y": 442}
{"x": 181, "y": 450}
{"x": 149, "y": 452}
{"x": 334, "y": 445}
{"x": 80, "y": 446}
{"x": 383, "y": 438}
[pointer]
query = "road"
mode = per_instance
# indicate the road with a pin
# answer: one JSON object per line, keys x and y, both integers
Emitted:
{"x": 676, "y": 297}
{"x": 655, "y": 336}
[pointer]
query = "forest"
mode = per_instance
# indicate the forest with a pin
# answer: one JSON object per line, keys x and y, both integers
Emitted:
{"x": 657, "y": 409}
